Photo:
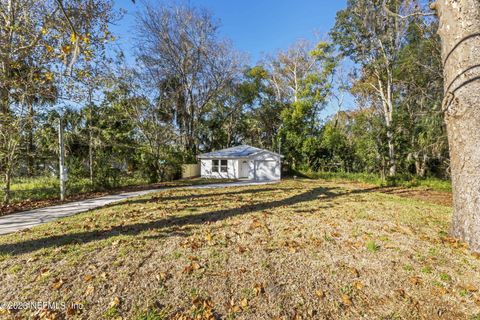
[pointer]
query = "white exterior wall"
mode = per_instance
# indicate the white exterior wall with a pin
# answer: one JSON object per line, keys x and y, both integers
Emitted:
{"x": 265, "y": 166}
{"x": 262, "y": 166}
{"x": 206, "y": 169}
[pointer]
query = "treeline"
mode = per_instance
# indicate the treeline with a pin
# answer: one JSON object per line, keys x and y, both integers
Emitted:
{"x": 190, "y": 91}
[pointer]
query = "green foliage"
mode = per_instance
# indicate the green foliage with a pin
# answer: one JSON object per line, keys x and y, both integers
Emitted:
{"x": 142, "y": 123}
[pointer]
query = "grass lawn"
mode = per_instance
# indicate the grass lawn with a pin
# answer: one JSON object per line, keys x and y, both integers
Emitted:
{"x": 374, "y": 179}
{"x": 48, "y": 187}
{"x": 299, "y": 249}
{"x": 29, "y": 193}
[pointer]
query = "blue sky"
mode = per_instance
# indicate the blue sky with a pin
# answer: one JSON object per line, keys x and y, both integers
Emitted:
{"x": 254, "y": 26}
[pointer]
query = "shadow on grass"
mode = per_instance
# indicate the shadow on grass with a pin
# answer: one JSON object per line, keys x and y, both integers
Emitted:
{"x": 191, "y": 196}
{"x": 169, "y": 226}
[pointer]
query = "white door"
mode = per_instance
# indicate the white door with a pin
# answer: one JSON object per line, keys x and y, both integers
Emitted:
{"x": 243, "y": 168}
{"x": 266, "y": 170}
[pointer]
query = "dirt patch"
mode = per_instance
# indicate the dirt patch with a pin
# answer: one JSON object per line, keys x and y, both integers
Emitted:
{"x": 438, "y": 197}
{"x": 443, "y": 198}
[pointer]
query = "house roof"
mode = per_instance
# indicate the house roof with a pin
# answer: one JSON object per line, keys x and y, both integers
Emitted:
{"x": 243, "y": 151}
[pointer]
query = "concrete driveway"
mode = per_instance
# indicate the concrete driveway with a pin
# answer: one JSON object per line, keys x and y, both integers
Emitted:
{"x": 27, "y": 219}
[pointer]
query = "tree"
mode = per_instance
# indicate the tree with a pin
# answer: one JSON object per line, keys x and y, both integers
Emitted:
{"x": 459, "y": 25}
{"x": 22, "y": 25}
{"x": 261, "y": 119}
{"x": 371, "y": 33}
{"x": 420, "y": 88}
{"x": 46, "y": 32}
{"x": 152, "y": 121}
{"x": 186, "y": 63}
{"x": 300, "y": 78}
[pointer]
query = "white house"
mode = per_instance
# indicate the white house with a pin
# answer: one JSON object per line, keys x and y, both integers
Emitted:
{"x": 241, "y": 162}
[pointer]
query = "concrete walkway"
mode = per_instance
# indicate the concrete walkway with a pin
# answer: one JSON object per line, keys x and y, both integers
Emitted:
{"x": 27, "y": 219}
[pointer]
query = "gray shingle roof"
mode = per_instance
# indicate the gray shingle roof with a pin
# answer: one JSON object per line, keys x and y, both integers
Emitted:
{"x": 243, "y": 151}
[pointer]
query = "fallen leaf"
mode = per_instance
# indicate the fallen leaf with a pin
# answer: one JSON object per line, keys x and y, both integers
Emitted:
{"x": 209, "y": 237}
{"x": 115, "y": 302}
{"x": 355, "y": 272}
{"x": 470, "y": 287}
{"x": 71, "y": 311}
{"x": 89, "y": 291}
{"x": 258, "y": 289}
{"x": 88, "y": 278}
{"x": 346, "y": 300}
{"x": 477, "y": 301}
{"x": 358, "y": 285}
{"x": 320, "y": 294}
{"x": 244, "y": 303}
{"x": 162, "y": 276}
{"x": 440, "y": 290}
{"x": 255, "y": 224}
{"x": 415, "y": 280}
{"x": 236, "y": 309}
{"x": 195, "y": 266}
{"x": 44, "y": 271}
{"x": 57, "y": 284}
{"x": 241, "y": 249}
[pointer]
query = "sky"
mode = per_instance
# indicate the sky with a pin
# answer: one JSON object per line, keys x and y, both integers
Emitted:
{"x": 255, "y": 27}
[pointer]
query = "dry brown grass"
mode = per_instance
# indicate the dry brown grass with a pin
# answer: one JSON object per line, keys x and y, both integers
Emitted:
{"x": 294, "y": 250}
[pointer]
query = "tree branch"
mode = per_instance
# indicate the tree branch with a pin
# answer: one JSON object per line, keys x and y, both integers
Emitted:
{"x": 414, "y": 14}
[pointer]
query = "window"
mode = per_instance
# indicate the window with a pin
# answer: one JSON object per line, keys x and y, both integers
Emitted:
{"x": 224, "y": 165}
{"x": 219, "y": 165}
{"x": 214, "y": 165}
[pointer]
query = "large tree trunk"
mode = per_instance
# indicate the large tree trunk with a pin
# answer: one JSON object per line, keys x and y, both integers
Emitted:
{"x": 459, "y": 31}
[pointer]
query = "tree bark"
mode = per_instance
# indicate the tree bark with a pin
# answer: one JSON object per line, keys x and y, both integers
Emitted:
{"x": 7, "y": 186}
{"x": 459, "y": 30}
{"x": 420, "y": 164}
{"x": 387, "y": 104}
{"x": 30, "y": 146}
{"x": 90, "y": 137}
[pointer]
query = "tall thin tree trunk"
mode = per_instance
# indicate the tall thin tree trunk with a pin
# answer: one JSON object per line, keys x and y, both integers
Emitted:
{"x": 459, "y": 30}
{"x": 30, "y": 147}
{"x": 392, "y": 170}
{"x": 6, "y": 189}
{"x": 90, "y": 137}
{"x": 387, "y": 104}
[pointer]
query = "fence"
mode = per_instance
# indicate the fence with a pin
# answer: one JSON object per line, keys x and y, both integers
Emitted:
{"x": 190, "y": 170}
